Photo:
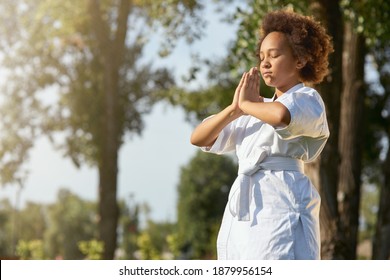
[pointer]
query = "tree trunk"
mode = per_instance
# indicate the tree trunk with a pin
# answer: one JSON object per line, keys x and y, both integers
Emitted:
{"x": 350, "y": 137}
{"x": 112, "y": 52}
{"x": 326, "y": 167}
{"x": 108, "y": 169}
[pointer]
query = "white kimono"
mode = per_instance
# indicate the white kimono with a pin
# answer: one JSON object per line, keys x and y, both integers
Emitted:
{"x": 273, "y": 209}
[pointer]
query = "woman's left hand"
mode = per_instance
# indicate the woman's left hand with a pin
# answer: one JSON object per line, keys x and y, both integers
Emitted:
{"x": 251, "y": 88}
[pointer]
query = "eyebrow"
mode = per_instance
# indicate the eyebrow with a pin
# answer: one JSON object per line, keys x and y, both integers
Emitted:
{"x": 270, "y": 50}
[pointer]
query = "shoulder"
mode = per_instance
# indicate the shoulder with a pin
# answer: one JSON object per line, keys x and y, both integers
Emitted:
{"x": 308, "y": 114}
{"x": 301, "y": 92}
{"x": 308, "y": 91}
{"x": 303, "y": 96}
{"x": 304, "y": 104}
{"x": 311, "y": 96}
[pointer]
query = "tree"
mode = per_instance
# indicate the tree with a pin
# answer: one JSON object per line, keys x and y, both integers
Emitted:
{"x": 89, "y": 54}
{"x": 350, "y": 138}
{"x": 203, "y": 192}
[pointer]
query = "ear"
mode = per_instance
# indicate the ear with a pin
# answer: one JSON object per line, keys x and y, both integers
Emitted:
{"x": 301, "y": 63}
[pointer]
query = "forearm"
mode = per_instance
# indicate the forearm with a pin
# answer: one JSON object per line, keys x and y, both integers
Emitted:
{"x": 207, "y": 132}
{"x": 273, "y": 113}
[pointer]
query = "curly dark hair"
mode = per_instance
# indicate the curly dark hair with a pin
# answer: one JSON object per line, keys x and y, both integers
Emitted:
{"x": 307, "y": 38}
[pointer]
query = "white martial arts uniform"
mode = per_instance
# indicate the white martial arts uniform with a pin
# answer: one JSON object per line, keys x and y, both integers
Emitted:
{"x": 273, "y": 209}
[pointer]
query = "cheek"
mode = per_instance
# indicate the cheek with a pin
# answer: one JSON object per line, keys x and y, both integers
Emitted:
{"x": 287, "y": 67}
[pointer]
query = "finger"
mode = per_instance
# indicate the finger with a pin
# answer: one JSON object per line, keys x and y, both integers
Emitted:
{"x": 251, "y": 83}
{"x": 253, "y": 69}
{"x": 242, "y": 79}
{"x": 245, "y": 81}
{"x": 253, "y": 80}
{"x": 255, "y": 74}
{"x": 240, "y": 83}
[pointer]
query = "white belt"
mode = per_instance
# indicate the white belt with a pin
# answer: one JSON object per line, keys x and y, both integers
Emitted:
{"x": 241, "y": 194}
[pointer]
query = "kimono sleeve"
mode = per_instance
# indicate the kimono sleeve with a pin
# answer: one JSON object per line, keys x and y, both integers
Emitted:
{"x": 308, "y": 117}
{"x": 225, "y": 141}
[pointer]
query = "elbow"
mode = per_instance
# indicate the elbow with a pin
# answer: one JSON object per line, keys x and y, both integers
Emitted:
{"x": 286, "y": 117}
{"x": 282, "y": 117}
{"x": 196, "y": 140}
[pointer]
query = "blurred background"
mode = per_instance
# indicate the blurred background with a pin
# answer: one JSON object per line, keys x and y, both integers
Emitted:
{"x": 98, "y": 100}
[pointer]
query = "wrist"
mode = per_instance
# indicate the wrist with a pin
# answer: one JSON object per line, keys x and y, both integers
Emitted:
{"x": 233, "y": 111}
{"x": 244, "y": 105}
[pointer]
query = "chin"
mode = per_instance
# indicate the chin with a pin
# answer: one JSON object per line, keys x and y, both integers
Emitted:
{"x": 270, "y": 84}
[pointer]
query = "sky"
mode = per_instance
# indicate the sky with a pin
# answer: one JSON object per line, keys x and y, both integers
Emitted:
{"x": 149, "y": 165}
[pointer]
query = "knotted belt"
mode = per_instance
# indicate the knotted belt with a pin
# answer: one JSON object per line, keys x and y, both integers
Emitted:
{"x": 241, "y": 193}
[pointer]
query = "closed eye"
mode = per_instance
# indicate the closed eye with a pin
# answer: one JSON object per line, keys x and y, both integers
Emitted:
{"x": 271, "y": 56}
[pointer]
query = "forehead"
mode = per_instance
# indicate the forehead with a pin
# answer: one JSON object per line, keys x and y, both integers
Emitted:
{"x": 274, "y": 40}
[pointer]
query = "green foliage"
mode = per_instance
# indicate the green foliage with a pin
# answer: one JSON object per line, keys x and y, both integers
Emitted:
{"x": 147, "y": 249}
{"x": 173, "y": 242}
{"x": 377, "y": 121}
{"x": 70, "y": 220}
{"x": 7, "y": 232}
{"x": 178, "y": 18}
{"x": 92, "y": 249}
{"x": 368, "y": 211}
{"x": 128, "y": 228}
{"x": 30, "y": 250}
{"x": 203, "y": 191}
{"x": 15, "y": 139}
{"x": 153, "y": 241}
{"x": 31, "y": 221}
{"x": 27, "y": 225}
{"x": 370, "y": 18}
{"x": 67, "y": 229}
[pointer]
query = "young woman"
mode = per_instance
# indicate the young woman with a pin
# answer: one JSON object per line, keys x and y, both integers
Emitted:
{"x": 273, "y": 208}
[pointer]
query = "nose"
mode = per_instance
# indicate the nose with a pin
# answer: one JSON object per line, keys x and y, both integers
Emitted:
{"x": 265, "y": 64}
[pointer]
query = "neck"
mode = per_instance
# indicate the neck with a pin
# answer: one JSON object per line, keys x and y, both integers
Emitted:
{"x": 281, "y": 90}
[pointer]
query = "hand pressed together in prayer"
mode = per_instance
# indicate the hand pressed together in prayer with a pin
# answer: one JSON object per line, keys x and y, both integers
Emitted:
{"x": 237, "y": 111}
{"x": 250, "y": 89}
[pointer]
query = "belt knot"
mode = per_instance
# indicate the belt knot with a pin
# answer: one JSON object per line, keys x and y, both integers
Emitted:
{"x": 241, "y": 193}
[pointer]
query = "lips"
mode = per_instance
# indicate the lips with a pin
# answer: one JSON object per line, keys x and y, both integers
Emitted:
{"x": 266, "y": 73}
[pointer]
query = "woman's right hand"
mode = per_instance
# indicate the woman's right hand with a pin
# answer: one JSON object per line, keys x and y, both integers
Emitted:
{"x": 205, "y": 134}
{"x": 235, "y": 107}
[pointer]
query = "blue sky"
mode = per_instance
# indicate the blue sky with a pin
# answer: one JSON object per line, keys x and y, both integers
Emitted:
{"x": 149, "y": 165}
